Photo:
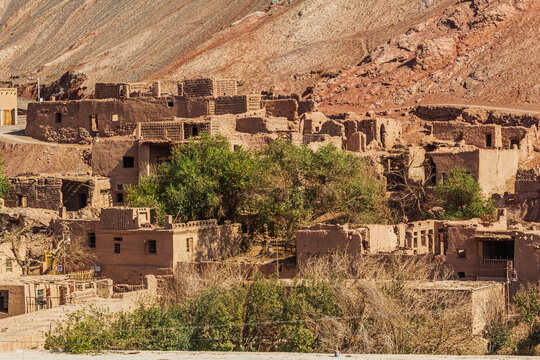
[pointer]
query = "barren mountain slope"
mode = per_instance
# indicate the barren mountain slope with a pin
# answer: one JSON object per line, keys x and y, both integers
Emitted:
{"x": 134, "y": 40}
{"x": 477, "y": 52}
{"x": 108, "y": 39}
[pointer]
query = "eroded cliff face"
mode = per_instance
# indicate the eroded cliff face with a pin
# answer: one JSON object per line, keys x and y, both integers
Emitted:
{"x": 474, "y": 52}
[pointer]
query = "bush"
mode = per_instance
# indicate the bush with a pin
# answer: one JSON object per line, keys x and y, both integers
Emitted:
{"x": 527, "y": 304}
{"x": 460, "y": 196}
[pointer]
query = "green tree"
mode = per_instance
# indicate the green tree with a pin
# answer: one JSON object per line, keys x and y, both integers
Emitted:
{"x": 5, "y": 185}
{"x": 204, "y": 179}
{"x": 460, "y": 196}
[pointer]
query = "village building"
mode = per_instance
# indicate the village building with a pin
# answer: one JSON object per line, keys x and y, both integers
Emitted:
{"x": 57, "y": 191}
{"x": 28, "y": 294}
{"x": 129, "y": 243}
{"x": 8, "y": 106}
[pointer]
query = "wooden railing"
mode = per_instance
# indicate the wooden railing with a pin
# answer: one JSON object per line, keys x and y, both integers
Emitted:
{"x": 86, "y": 275}
{"x": 493, "y": 267}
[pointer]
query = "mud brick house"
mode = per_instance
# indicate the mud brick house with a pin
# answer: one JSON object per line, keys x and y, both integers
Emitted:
{"x": 129, "y": 244}
{"x": 9, "y": 268}
{"x": 8, "y": 106}
{"x": 494, "y": 169}
{"x": 28, "y": 294}
{"x": 57, "y": 191}
{"x": 114, "y": 114}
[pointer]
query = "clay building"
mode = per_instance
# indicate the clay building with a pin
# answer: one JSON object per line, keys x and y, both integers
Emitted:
{"x": 79, "y": 121}
{"x": 8, "y": 106}
{"x": 207, "y": 87}
{"x": 494, "y": 169}
{"x": 129, "y": 244}
{"x": 9, "y": 268}
{"x": 58, "y": 191}
{"x": 480, "y": 298}
{"x": 28, "y": 294}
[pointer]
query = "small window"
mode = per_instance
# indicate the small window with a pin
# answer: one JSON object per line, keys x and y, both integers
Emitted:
{"x": 349, "y": 236}
{"x": 22, "y": 200}
{"x": 317, "y": 129}
{"x": 120, "y": 187}
{"x": 92, "y": 240}
{"x": 94, "y": 122}
{"x": 114, "y": 117}
{"x": 120, "y": 197}
{"x": 117, "y": 239}
{"x": 128, "y": 162}
{"x": 9, "y": 265}
{"x": 151, "y": 247}
{"x": 514, "y": 143}
{"x": 4, "y": 301}
{"x": 117, "y": 248}
{"x": 488, "y": 140}
{"x": 58, "y": 118}
{"x": 170, "y": 104}
{"x": 462, "y": 253}
{"x": 189, "y": 244}
{"x": 461, "y": 274}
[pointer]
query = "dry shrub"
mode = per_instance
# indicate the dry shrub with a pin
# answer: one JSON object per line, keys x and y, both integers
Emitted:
{"x": 383, "y": 306}
{"x": 386, "y": 310}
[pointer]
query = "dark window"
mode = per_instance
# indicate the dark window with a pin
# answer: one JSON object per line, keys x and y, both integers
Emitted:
{"x": 128, "y": 161}
{"x": 514, "y": 142}
{"x": 462, "y": 253}
{"x": 151, "y": 247}
{"x": 120, "y": 197}
{"x": 170, "y": 104}
{"x": 22, "y": 201}
{"x": 117, "y": 248}
{"x": 488, "y": 140}
{"x": 92, "y": 240}
{"x": 195, "y": 131}
{"x": 120, "y": 187}
{"x": 4, "y": 300}
{"x": 58, "y": 118}
{"x": 117, "y": 239}
{"x": 83, "y": 201}
{"x": 189, "y": 244}
{"x": 461, "y": 275}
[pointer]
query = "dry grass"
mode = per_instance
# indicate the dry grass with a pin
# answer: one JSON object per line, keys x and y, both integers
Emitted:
{"x": 382, "y": 311}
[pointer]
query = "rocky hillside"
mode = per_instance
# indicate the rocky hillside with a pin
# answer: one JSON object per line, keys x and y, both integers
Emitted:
{"x": 288, "y": 44}
{"x": 367, "y": 54}
{"x": 475, "y": 52}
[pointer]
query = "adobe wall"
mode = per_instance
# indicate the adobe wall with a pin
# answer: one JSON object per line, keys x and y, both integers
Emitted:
{"x": 525, "y": 139}
{"x": 203, "y": 87}
{"x": 497, "y": 171}
{"x": 253, "y": 125}
{"x": 381, "y": 238}
{"x": 107, "y": 160}
{"x": 133, "y": 261}
{"x": 486, "y": 300}
{"x": 8, "y": 99}
{"x": 323, "y": 240}
{"x": 461, "y": 238}
{"x": 5, "y": 255}
{"x": 44, "y": 193}
{"x": 527, "y": 256}
{"x": 446, "y": 160}
{"x": 311, "y": 123}
{"x": 209, "y": 241}
{"x": 476, "y": 135}
{"x": 16, "y": 300}
{"x": 281, "y": 108}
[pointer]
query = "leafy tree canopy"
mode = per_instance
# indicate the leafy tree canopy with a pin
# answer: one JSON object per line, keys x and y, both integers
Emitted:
{"x": 460, "y": 196}
{"x": 274, "y": 190}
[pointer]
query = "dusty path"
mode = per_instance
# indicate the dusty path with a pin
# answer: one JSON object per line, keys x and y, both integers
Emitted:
{"x": 28, "y": 331}
{"x": 161, "y": 355}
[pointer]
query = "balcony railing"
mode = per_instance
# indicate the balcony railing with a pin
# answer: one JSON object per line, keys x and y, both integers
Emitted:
{"x": 494, "y": 268}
